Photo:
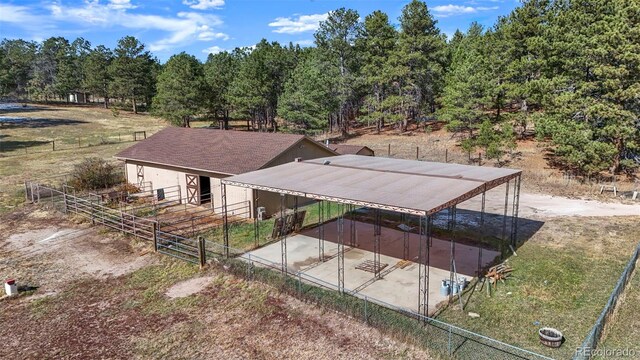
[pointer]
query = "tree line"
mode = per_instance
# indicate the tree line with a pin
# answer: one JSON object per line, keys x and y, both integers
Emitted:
{"x": 565, "y": 71}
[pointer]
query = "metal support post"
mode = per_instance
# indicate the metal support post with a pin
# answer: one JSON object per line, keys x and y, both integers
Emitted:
{"x": 321, "y": 230}
{"x": 376, "y": 244}
{"x": 514, "y": 211}
{"x": 283, "y": 237}
{"x": 452, "y": 249}
{"x": 504, "y": 220}
{"x": 483, "y": 230}
{"x": 352, "y": 226}
{"x": 341, "y": 249}
{"x": 225, "y": 221}
{"x": 423, "y": 265}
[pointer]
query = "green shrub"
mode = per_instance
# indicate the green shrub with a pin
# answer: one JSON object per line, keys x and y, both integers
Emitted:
{"x": 95, "y": 173}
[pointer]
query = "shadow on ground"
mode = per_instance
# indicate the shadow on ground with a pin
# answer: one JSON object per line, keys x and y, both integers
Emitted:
{"x": 13, "y": 122}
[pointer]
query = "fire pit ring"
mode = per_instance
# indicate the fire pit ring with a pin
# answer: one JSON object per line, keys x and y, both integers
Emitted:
{"x": 550, "y": 337}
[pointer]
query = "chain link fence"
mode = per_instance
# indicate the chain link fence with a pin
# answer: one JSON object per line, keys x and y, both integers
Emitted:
{"x": 584, "y": 352}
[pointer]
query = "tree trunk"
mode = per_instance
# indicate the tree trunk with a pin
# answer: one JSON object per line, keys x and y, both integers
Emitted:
{"x": 135, "y": 108}
{"x": 106, "y": 102}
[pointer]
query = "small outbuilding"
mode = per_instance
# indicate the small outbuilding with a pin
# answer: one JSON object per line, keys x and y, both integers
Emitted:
{"x": 78, "y": 97}
{"x": 344, "y": 149}
{"x": 195, "y": 159}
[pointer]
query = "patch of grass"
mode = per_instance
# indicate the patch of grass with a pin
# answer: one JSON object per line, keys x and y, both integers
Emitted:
{"x": 560, "y": 288}
{"x": 624, "y": 329}
{"x": 153, "y": 281}
{"x": 242, "y": 234}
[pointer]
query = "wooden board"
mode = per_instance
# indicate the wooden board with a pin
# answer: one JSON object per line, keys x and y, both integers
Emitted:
{"x": 369, "y": 266}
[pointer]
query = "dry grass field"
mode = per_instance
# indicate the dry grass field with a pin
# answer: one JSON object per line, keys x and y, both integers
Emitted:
{"x": 26, "y": 135}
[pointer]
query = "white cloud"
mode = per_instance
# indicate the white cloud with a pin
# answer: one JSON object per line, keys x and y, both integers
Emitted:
{"x": 180, "y": 29}
{"x": 297, "y": 23}
{"x": 121, "y": 4}
{"x": 17, "y": 14}
{"x": 451, "y": 10}
{"x": 213, "y": 50}
{"x": 203, "y": 4}
{"x": 206, "y": 33}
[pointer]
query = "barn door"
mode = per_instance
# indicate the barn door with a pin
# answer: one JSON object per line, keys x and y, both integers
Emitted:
{"x": 193, "y": 189}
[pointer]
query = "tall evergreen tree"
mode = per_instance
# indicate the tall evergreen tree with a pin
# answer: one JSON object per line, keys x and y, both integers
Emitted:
{"x": 421, "y": 51}
{"x": 181, "y": 90}
{"x": 380, "y": 72}
{"x": 592, "y": 114}
{"x": 132, "y": 71}
{"x": 19, "y": 56}
{"x": 97, "y": 78}
{"x": 220, "y": 70}
{"x": 261, "y": 76}
{"x": 336, "y": 38}
{"x": 309, "y": 96}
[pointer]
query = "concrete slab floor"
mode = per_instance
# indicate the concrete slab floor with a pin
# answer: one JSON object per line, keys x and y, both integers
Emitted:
{"x": 398, "y": 287}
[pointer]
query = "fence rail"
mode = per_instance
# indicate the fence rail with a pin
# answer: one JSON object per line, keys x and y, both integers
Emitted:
{"x": 584, "y": 352}
{"x": 24, "y": 147}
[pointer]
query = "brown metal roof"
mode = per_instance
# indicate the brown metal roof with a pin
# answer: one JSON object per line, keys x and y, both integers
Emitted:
{"x": 344, "y": 149}
{"x": 410, "y": 186}
{"x": 219, "y": 151}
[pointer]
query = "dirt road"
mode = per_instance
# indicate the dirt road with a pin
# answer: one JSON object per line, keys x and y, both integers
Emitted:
{"x": 539, "y": 206}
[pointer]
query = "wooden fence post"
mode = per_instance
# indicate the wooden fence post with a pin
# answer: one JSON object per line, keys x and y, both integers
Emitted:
{"x": 53, "y": 145}
{"x": 417, "y": 152}
{"x": 389, "y": 150}
{"x": 446, "y": 155}
{"x": 202, "y": 254}
{"x": 26, "y": 191}
{"x": 155, "y": 237}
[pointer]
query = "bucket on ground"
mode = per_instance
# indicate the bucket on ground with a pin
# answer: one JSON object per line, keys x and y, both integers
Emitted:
{"x": 10, "y": 287}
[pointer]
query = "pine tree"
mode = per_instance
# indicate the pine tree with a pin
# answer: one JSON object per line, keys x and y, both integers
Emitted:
{"x": 261, "y": 76}
{"x": 220, "y": 70}
{"x": 336, "y": 38}
{"x": 421, "y": 51}
{"x": 181, "y": 90}
{"x": 132, "y": 71}
{"x": 309, "y": 96}
{"x": 380, "y": 72}
{"x": 96, "y": 73}
{"x": 19, "y": 56}
{"x": 592, "y": 115}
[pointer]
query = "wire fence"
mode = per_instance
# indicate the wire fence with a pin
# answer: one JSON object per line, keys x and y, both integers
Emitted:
{"x": 17, "y": 146}
{"x": 590, "y": 343}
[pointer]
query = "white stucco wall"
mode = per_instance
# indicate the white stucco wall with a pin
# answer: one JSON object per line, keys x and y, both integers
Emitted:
{"x": 161, "y": 177}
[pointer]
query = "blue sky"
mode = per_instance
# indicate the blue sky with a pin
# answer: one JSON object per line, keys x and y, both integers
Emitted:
{"x": 199, "y": 27}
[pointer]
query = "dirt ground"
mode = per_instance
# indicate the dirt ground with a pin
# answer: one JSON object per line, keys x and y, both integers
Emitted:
{"x": 531, "y": 156}
{"x": 91, "y": 293}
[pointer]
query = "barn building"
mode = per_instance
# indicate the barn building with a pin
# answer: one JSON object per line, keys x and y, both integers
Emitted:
{"x": 195, "y": 159}
{"x": 344, "y": 149}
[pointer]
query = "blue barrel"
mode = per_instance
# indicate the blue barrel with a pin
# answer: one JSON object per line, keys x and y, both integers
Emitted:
{"x": 445, "y": 288}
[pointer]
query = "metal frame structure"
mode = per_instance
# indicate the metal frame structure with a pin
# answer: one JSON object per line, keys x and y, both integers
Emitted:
{"x": 425, "y": 225}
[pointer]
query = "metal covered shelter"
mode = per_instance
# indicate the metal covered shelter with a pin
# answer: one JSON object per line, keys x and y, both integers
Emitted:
{"x": 411, "y": 187}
